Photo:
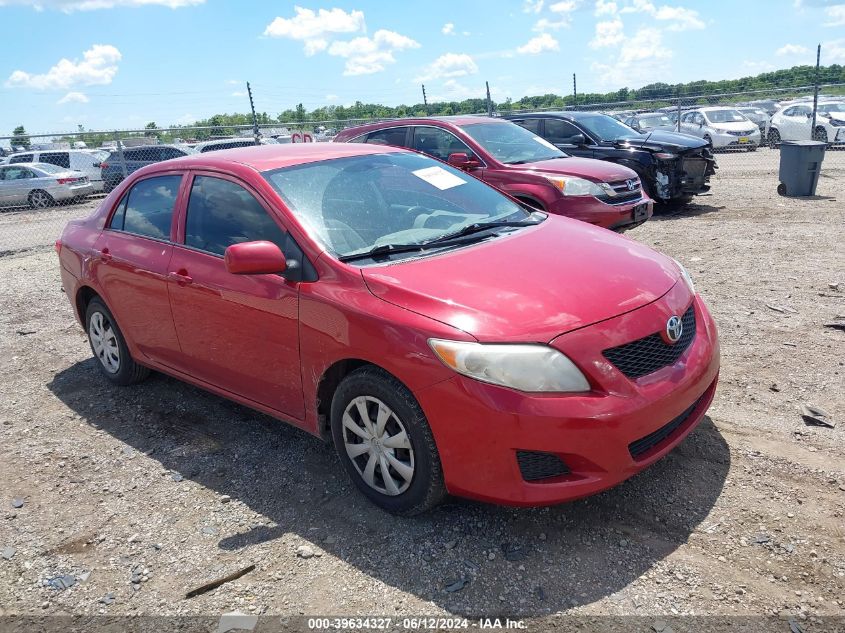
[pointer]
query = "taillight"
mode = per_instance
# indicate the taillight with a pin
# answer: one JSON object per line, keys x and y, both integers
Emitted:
{"x": 59, "y": 246}
{"x": 104, "y": 165}
{"x": 65, "y": 181}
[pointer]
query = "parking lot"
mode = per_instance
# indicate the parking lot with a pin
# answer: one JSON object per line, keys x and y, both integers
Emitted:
{"x": 144, "y": 493}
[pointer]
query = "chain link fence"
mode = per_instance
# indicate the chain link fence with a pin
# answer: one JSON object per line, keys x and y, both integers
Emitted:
{"x": 48, "y": 179}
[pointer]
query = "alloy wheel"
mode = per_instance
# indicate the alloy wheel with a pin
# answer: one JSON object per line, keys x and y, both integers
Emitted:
{"x": 378, "y": 445}
{"x": 39, "y": 199}
{"x": 104, "y": 342}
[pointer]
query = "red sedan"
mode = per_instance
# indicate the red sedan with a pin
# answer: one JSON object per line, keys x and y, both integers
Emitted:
{"x": 443, "y": 337}
{"x": 521, "y": 164}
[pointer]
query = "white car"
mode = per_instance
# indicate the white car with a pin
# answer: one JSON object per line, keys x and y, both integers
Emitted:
{"x": 794, "y": 123}
{"x": 85, "y": 160}
{"x": 40, "y": 185}
{"x": 722, "y": 127}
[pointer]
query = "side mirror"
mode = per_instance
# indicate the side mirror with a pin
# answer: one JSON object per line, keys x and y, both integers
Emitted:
{"x": 461, "y": 160}
{"x": 578, "y": 139}
{"x": 254, "y": 258}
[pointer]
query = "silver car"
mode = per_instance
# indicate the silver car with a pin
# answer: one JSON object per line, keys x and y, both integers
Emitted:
{"x": 40, "y": 185}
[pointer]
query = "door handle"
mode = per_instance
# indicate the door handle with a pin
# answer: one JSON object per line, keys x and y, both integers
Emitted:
{"x": 104, "y": 255}
{"x": 182, "y": 278}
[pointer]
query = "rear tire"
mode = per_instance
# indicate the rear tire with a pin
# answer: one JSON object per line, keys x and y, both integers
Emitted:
{"x": 396, "y": 466}
{"x": 40, "y": 199}
{"x": 109, "y": 346}
{"x": 774, "y": 139}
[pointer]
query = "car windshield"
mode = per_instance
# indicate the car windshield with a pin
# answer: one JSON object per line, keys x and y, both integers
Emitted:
{"x": 725, "y": 116}
{"x": 510, "y": 143}
{"x": 606, "y": 128}
{"x": 832, "y": 107}
{"x": 49, "y": 168}
{"x": 355, "y": 204}
{"x": 654, "y": 121}
{"x": 99, "y": 154}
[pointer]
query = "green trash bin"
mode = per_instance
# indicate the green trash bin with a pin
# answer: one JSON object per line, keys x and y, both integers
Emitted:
{"x": 800, "y": 165}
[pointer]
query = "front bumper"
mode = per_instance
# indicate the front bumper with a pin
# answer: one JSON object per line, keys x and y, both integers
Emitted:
{"x": 617, "y": 217}
{"x": 479, "y": 428}
{"x": 729, "y": 140}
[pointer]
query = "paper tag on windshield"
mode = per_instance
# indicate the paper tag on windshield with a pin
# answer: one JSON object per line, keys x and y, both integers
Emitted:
{"x": 439, "y": 177}
{"x": 545, "y": 143}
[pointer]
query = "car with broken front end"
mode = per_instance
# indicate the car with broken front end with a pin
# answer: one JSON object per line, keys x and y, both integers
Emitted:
{"x": 672, "y": 167}
{"x": 442, "y": 336}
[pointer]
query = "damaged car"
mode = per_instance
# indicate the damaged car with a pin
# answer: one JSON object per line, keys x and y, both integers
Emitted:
{"x": 672, "y": 167}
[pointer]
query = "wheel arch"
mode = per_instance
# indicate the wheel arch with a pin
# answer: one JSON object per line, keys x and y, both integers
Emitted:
{"x": 328, "y": 384}
{"x": 84, "y": 295}
{"x": 530, "y": 200}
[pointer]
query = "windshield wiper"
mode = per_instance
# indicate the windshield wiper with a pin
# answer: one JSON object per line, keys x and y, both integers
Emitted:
{"x": 477, "y": 227}
{"x": 383, "y": 249}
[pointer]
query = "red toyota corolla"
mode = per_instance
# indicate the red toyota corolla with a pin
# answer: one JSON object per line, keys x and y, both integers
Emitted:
{"x": 444, "y": 337}
{"x": 521, "y": 164}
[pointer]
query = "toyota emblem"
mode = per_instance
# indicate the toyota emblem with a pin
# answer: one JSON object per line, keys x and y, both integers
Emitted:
{"x": 674, "y": 328}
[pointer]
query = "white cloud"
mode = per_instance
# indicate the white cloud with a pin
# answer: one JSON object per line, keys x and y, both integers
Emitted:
{"x": 679, "y": 18}
{"x": 69, "y": 6}
{"x": 641, "y": 58}
{"x": 608, "y": 33}
{"x": 332, "y": 97}
{"x": 606, "y": 7}
{"x": 448, "y": 29}
{"x": 365, "y": 55}
{"x": 539, "y": 44}
{"x": 453, "y": 90}
{"x": 792, "y": 49}
{"x": 532, "y": 6}
{"x": 836, "y": 15}
{"x": 449, "y": 65}
{"x": 97, "y": 67}
{"x": 565, "y": 6}
{"x": 544, "y": 24}
{"x": 833, "y": 51}
{"x": 755, "y": 68}
{"x": 73, "y": 97}
{"x": 314, "y": 28}
{"x": 240, "y": 94}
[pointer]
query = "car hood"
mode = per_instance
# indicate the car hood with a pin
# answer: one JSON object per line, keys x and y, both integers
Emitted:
{"x": 589, "y": 168}
{"x": 662, "y": 140}
{"x": 530, "y": 285}
{"x": 734, "y": 126}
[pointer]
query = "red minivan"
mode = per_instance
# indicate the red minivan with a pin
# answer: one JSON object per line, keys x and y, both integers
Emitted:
{"x": 521, "y": 164}
{"x": 443, "y": 337}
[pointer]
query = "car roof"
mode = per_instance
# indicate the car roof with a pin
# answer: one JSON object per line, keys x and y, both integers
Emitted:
{"x": 454, "y": 119}
{"x": 265, "y": 157}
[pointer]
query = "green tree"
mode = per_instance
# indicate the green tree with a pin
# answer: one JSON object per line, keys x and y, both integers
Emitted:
{"x": 150, "y": 126}
{"x": 19, "y": 138}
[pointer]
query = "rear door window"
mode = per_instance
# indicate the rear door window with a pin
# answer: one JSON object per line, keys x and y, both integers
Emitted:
{"x": 59, "y": 159}
{"x": 532, "y": 125}
{"x": 396, "y": 136}
{"x": 21, "y": 158}
{"x": 559, "y": 131}
{"x": 149, "y": 207}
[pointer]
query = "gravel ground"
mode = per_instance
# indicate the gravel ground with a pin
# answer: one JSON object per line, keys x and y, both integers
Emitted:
{"x": 138, "y": 495}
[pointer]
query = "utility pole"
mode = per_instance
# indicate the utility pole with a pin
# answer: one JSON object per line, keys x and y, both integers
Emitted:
{"x": 816, "y": 91}
{"x": 574, "y": 91}
{"x": 255, "y": 131}
{"x": 425, "y": 100}
{"x": 489, "y": 103}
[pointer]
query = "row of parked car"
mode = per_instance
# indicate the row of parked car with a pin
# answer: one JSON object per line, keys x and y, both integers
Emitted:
{"x": 747, "y": 127}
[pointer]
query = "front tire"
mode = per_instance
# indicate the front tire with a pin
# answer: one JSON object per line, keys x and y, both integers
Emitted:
{"x": 385, "y": 443}
{"x": 820, "y": 134}
{"x": 39, "y": 199}
{"x": 109, "y": 346}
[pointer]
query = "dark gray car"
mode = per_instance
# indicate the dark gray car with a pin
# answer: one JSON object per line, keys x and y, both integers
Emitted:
{"x": 133, "y": 158}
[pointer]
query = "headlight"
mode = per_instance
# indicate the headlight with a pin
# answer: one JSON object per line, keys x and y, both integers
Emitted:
{"x": 532, "y": 368}
{"x": 572, "y": 186}
{"x": 719, "y": 130}
{"x": 686, "y": 276}
{"x": 665, "y": 156}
